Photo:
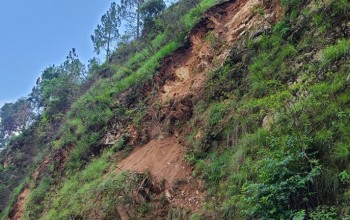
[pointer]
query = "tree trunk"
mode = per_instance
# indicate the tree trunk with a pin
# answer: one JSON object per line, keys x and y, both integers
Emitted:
{"x": 108, "y": 42}
{"x": 138, "y": 19}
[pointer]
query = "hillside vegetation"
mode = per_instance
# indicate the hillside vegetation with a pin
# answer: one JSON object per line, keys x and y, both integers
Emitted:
{"x": 232, "y": 109}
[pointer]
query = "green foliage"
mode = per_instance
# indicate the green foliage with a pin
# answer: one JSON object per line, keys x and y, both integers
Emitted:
{"x": 292, "y": 3}
{"x": 335, "y": 52}
{"x": 281, "y": 183}
{"x": 91, "y": 193}
{"x": 58, "y": 87}
{"x": 342, "y": 6}
{"x": 274, "y": 124}
{"x": 193, "y": 16}
{"x": 216, "y": 170}
{"x": 16, "y": 191}
{"x": 15, "y": 117}
{"x": 107, "y": 32}
{"x": 263, "y": 79}
{"x": 34, "y": 205}
{"x": 324, "y": 212}
{"x": 98, "y": 109}
{"x": 71, "y": 194}
{"x": 149, "y": 11}
{"x": 77, "y": 107}
{"x": 195, "y": 217}
{"x": 281, "y": 150}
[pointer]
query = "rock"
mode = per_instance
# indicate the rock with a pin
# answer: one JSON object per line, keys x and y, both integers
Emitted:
{"x": 192, "y": 200}
{"x": 168, "y": 195}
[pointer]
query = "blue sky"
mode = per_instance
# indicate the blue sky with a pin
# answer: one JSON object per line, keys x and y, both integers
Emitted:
{"x": 35, "y": 34}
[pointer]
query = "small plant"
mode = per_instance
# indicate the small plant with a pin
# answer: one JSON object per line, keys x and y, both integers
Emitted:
{"x": 335, "y": 52}
{"x": 324, "y": 213}
{"x": 259, "y": 10}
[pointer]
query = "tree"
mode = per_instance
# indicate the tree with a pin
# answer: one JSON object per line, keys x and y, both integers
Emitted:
{"x": 35, "y": 97}
{"x": 107, "y": 31}
{"x": 130, "y": 10}
{"x": 139, "y": 14}
{"x": 74, "y": 68}
{"x": 15, "y": 117}
{"x": 150, "y": 10}
{"x": 2, "y": 142}
{"x": 59, "y": 86}
{"x": 171, "y": 20}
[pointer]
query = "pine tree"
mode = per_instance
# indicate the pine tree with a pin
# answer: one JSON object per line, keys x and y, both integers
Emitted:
{"x": 108, "y": 31}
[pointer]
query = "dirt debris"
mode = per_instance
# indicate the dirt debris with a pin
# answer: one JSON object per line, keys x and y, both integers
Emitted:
{"x": 181, "y": 84}
{"x": 163, "y": 158}
{"x": 18, "y": 210}
{"x": 60, "y": 158}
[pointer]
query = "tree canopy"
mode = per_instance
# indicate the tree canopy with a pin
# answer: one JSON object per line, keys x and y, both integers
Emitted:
{"x": 150, "y": 10}
{"x": 108, "y": 31}
{"x": 15, "y": 117}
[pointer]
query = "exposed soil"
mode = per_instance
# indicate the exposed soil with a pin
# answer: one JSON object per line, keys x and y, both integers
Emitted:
{"x": 162, "y": 158}
{"x": 39, "y": 169}
{"x": 18, "y": 209}
{"x": 181, "y": 84}
{"x": 210, "y": 43}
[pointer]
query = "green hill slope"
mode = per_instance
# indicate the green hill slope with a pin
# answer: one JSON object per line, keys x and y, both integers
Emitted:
{"x": 247, "y": 117}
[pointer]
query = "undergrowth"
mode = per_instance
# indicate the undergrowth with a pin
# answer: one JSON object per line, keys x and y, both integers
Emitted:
{"x": 275, "y": 139}
{"x": 86, "y": 187}
{"x": 275, "y": 118}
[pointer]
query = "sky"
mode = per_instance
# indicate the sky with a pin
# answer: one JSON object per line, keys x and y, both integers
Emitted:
{"x": 38, "y": 33}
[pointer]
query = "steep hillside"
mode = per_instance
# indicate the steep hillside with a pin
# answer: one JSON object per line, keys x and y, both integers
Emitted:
{"x": 248, "y": 119}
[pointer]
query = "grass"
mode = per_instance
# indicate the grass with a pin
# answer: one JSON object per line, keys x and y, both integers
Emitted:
{"x": 303, "y": 152}
{"x": 101, "y": 107}
{"x": 267, "y": 167}
{"x": 82, "y": 193}
{"x": 85, "y": 125}
{"x": 271, "y": 172}
{"x": 34, "y": 205}
{"x": 13, "y": 198}
{"x": 96, "y": 108}
{"x": 335, "y": 52}
{"x": 194, "y": 15}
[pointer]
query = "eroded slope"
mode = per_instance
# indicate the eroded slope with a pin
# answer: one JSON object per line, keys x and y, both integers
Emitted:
{"x": 170, "y": 100}
{"x": 181, "y": 85}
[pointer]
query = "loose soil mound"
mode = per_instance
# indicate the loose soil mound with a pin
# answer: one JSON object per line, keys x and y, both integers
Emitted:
{"x": 163, "y": 158}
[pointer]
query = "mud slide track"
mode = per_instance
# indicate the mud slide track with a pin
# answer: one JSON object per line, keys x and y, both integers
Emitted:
{"x": 181, "y": 83}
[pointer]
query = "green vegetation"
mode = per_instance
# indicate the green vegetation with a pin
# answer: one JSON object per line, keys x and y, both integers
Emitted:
{"x": 35, "y": 201}
{"x": 279, "y": 148}
{"x": 274, "y": 121}
{"x": 76, "y": 107}
{"x": 335, "y": 52}
{"x": 107, "y": 33}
